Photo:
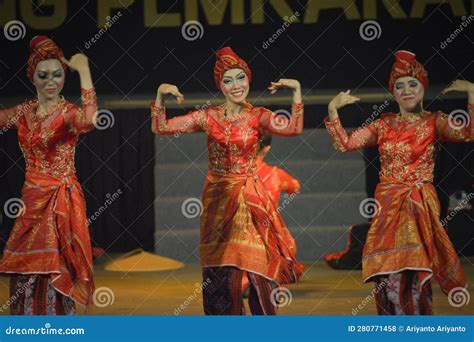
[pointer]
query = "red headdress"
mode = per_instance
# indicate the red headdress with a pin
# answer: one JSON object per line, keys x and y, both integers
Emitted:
{"x": 42, "y": 48}
{"x": 226, "y": 59}
{"x": 406, "y": 65}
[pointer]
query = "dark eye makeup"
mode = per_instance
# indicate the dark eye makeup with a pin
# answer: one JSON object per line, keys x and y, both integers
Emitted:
{"x": 411, "y": 83}
{"x": 44, "y": 75}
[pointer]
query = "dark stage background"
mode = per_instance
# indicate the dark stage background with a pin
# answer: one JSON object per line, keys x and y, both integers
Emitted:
{"x": 144, "y": 45}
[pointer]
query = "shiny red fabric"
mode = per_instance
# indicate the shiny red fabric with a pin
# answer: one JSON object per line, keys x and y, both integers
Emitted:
{"x": 276, "y": 181}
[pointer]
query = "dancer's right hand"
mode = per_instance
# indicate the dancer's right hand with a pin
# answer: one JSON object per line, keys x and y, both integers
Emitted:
{"x": 166, "y": 88}
{"x": 340, "y": 100}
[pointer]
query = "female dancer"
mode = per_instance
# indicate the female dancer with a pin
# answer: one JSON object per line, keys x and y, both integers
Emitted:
{"x": 241, "y": 231}
{"x": 406, "y": 244}
{"x": 48, "y": 254}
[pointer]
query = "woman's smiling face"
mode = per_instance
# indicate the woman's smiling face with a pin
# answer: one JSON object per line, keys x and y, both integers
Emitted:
{"x": 235, "y": 86}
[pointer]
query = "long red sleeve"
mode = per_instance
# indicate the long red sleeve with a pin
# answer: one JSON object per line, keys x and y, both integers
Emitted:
{"x": 280, "y": 125}
{"x": 81, "y": 120}
{"x": 360, "y": 138}
{"x": 449, "y": 130}
{"x": 190, "y": 122}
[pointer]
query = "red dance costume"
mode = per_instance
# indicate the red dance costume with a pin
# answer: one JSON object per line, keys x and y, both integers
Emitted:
{"x": 406, "y": 245}
{"x": 240, "y": 226}
{"x": 48, "y": 254}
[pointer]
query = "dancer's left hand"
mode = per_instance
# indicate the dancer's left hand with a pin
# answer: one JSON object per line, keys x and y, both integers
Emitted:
{"x": 460, "y": 85}
{"x": 284, "y": 83}
{"x": 78, "y": 62}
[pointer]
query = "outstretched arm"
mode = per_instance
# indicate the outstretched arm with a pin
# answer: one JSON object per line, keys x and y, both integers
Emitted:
{"x": 280, "y": 123}
{"x": 191, "y": 122}
{"x": 360, "y": 138}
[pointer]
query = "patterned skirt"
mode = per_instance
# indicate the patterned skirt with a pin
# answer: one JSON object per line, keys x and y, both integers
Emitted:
{"x": 402, "y": 294}
{"x": 51, "y": 237}
{"x": 241, "y": 227}
{"x": 34, "y": 294}
{"x": 406, "y": 234}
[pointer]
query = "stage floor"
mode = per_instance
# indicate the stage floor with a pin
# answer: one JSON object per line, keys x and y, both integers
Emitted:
{"x": 323, "y": 291}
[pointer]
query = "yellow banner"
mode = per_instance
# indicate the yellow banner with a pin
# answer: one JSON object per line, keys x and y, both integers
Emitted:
{"x": 216, "y": 13}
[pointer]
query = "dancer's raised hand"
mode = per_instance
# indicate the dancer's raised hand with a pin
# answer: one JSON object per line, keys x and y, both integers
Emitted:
{"x": 165, "y": 89}
{"x": 342, "y": 99}
{"x": 79, "y": 62}
{"x": 287, "y": 83}
{"x": 284, "y": 83}
{"x": 459, "y": 85}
